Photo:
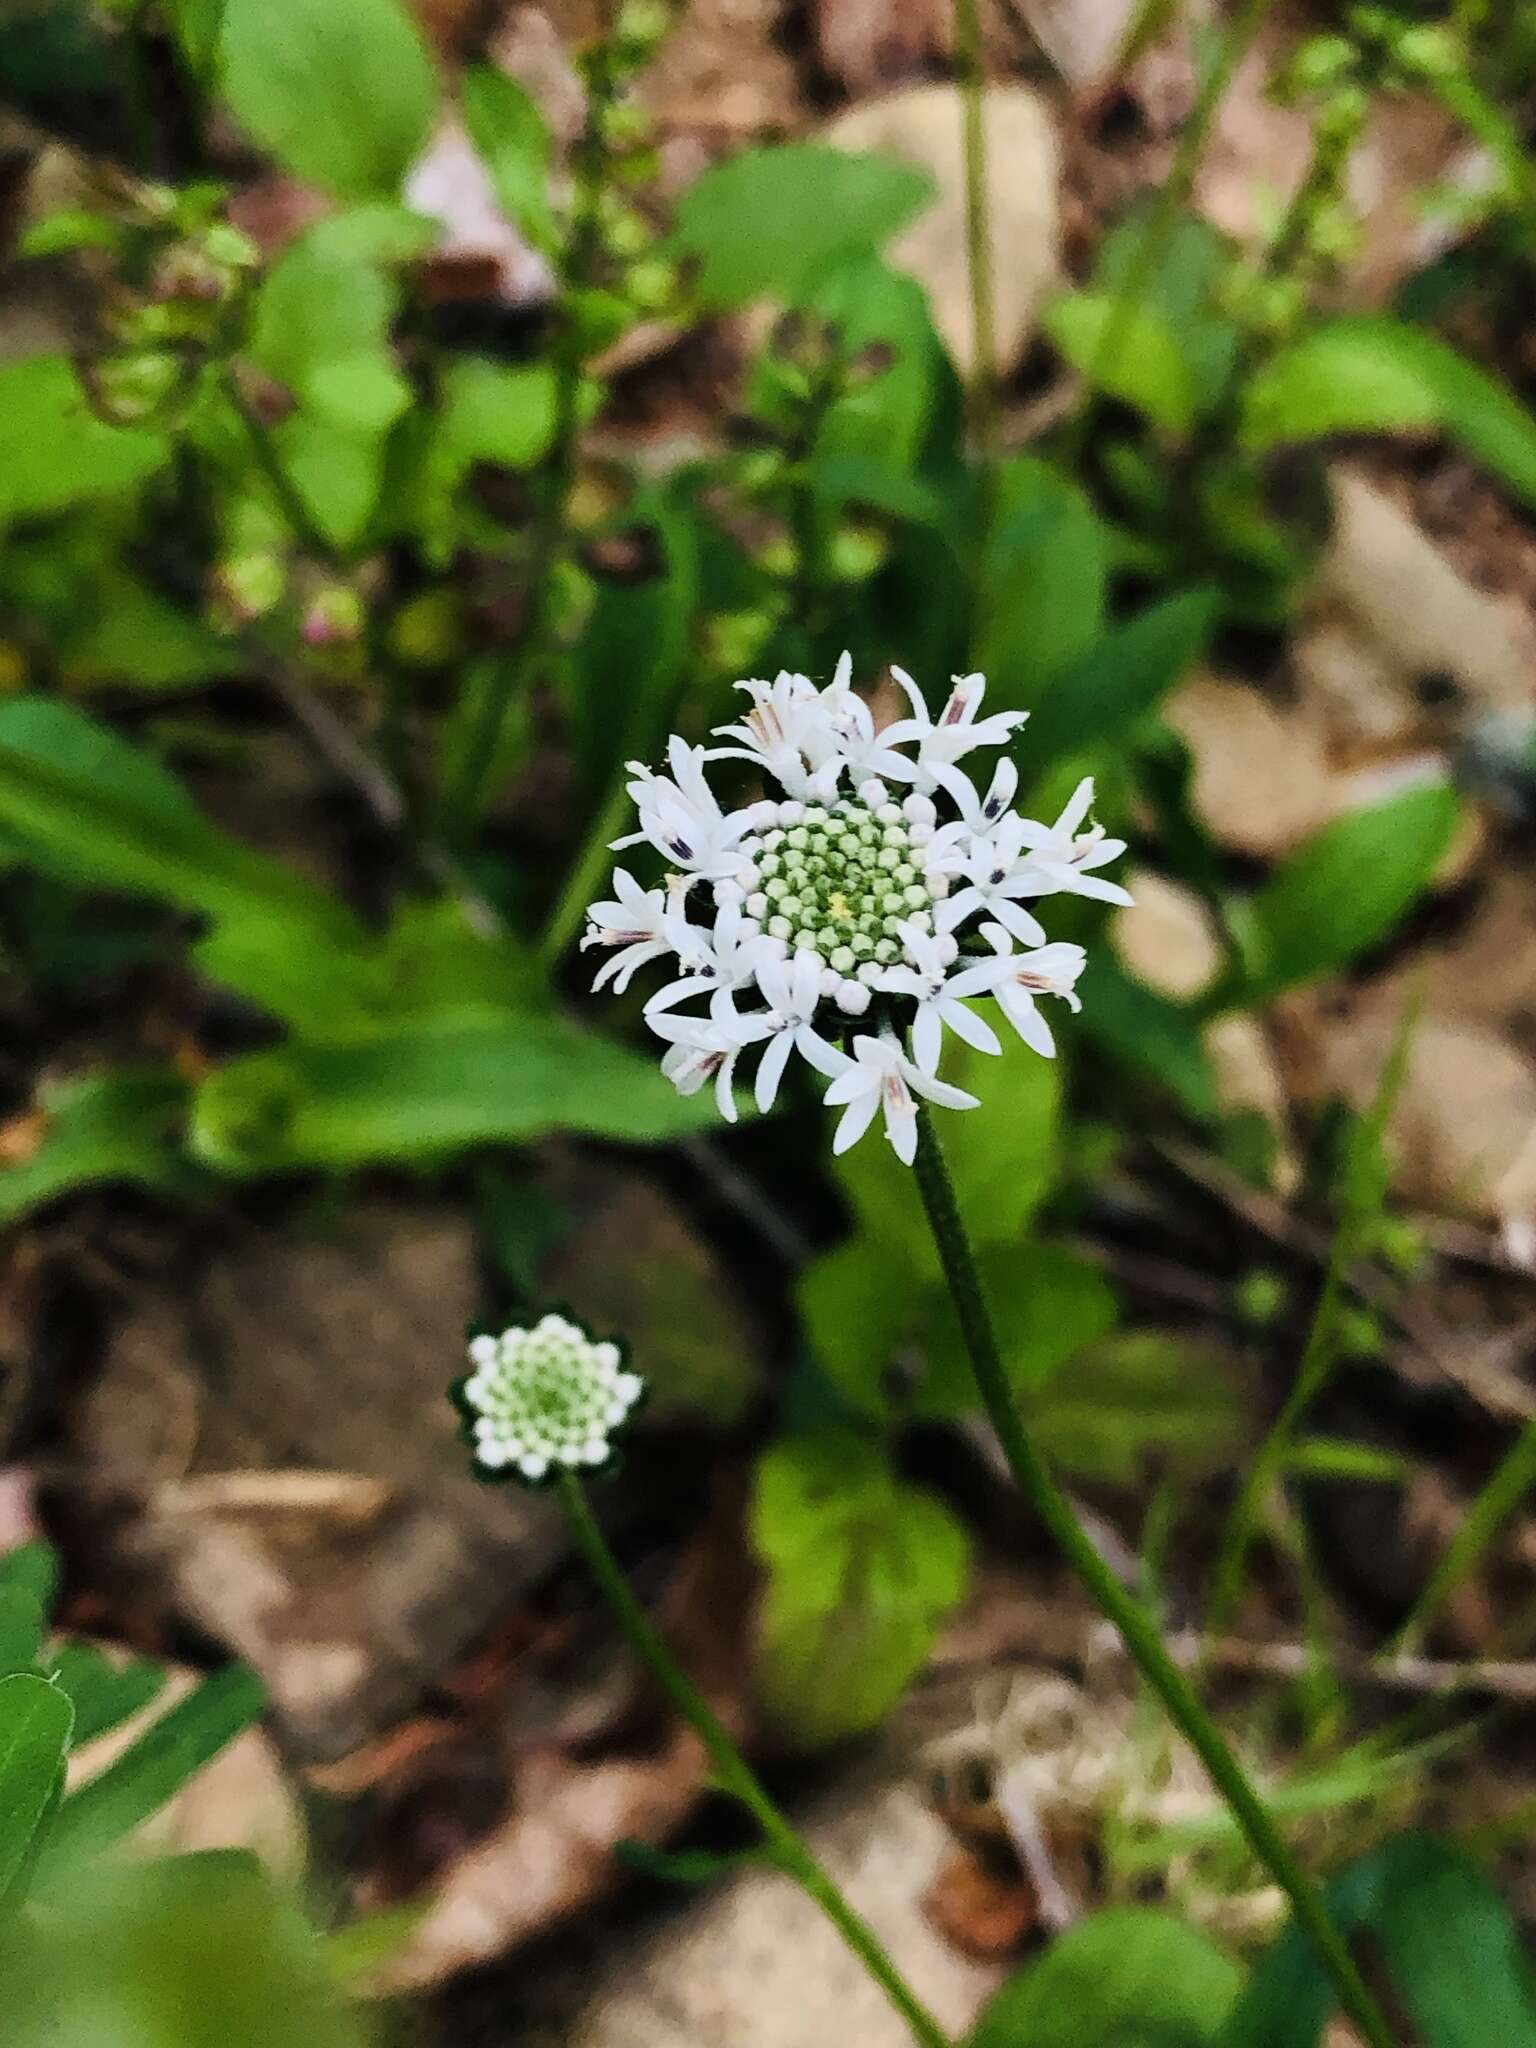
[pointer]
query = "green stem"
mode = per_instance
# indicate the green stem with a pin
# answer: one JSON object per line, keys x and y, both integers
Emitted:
{"x": 1511, "y": 1481}
{"x": 1137, "y": 1629}
{"x": 732, "y": 1772}
{"x": 978, "y": 241}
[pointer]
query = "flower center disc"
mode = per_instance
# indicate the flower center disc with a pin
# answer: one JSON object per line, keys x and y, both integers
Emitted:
{"x": 842, "y": 880}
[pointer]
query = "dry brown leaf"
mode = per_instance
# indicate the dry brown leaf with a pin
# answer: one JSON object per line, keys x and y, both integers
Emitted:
{"x": 1463, "y": 1137}
{"x": 922, "y": 126}
{"x": 1408, "y": 600}
{"x": 987, "y": 1913}
{"x": 1262, "y": 778}
{"x": 1165, "y": 937}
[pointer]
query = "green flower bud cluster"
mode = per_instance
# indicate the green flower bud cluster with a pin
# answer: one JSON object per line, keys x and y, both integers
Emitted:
{"x": 544, "y": 1397}
{"x": 841, "y": 879}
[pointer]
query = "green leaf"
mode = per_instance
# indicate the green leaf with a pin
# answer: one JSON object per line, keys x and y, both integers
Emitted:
{"x": 512, "y": 138}
{"x": 1138, "y": 1405}
{"x": 1447, "y": 1943}
{"x": 93, "y": 810}
{"x": 196, "y": 1951}
{"x": 31, "y": 1568}
{"x": 1047, "y": 1306}
{"x": 1375, "y": 375}
{"x": 1002, "y": 1160}
{"x": 1122, "y": 678}
{"x": 1147, "y": 369}
{"x": 342, "y": 92}
{"x": 1040, "y": 596}
{"x": 862, "y": 1570}
{"x": 771, "y": 223}
{"x": 122, "y": 1124}
{"x": 22, "y": 1623}
{"x": 54, "y": 451}
{"x": 1184, "y": 291}
{"x": 144, "y": 1778}
{"x": 428, "y": 964}
{"x": 886, "y": 415}
{"x": 1129, "y": 1977}
{"x": 1156, "y": 1039}
{"x": 495, "y": 412}
{"x": 103, "y": 1694}
{"x": 425, "y": 1090}
{"x": 1344, "y": 890}
{"x": 35, "y": 1723}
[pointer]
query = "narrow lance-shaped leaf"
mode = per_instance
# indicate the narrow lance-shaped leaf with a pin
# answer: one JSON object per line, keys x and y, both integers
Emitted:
{"x": 35, "y": 1723}
{"x": 173, "y": 1750}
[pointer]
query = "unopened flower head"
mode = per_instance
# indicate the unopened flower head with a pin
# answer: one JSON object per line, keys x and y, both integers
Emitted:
{"x": 543, "y": 1398}
{"x": 855, "y": 912}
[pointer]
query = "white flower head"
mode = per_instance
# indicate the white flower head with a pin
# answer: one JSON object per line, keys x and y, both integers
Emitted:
{"x": 877, "y": 879}
{"x": 545, "y": 1398}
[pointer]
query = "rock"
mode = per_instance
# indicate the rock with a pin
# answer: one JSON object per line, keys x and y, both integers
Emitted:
{"x": 1262, "y": 779}
{"x": 922, "y": 126}
{"x": 756, "y": 1963}
{"x": 331, "y": 1353}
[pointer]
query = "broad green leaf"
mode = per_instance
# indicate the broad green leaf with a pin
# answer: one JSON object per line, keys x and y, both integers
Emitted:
{"x": 1040, "y": 595}
{"x": 1374, "y": 374}
{"x": 885, "y": 415}
{"x": 1447, "y": 1944}
{"x": 103, "y": 1694}
{"x": 426, "y": 1090}
{"x": 91, "y": 809}
{"x": 321, "y": 329}
{"x": 428, "y": 963}
{"x": 1147, "y": 369}
{"x": 342, "y": 92}
{"x": 1138, "y": 1404}
{"x": 22, "y": 1622}
{"x": 31, "y": 1568}
{"x": 1002, "y": 1157}
{"x": 1154, "y": 1038}
{"x": 771, "y": 223}
{"x": 1047, "y": 1306}
{"x": 859, "y": 1302}
{"x": 196, "y": 1951}
{"x": 122, "y": 1124}
{"x": 54, "y": 451}
{"x": 862, "y": 1570}
{"x": 512, "y": 138}
{"x": 1344, "y": 890}
{"x": 495, "y": 412}
{"x": 1130, "y": 1977}
{"x": 1184, "y": 291}
{"x": 338, "y": 472}
{"x": 146, "y": 1776}
{"x": 1122, "y": 678}
{"x": 35, "y": 1723}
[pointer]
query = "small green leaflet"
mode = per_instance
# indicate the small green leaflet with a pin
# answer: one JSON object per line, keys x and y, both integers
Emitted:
{"x": 35, "y": 1723}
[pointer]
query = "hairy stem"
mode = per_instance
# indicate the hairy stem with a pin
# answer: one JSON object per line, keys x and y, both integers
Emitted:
{"x": 732, "y": 1771}
{"x": 1137, "y": 1629}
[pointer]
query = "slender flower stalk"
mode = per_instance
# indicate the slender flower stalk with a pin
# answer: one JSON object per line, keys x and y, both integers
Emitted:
{"x": 734, "y": 1775}
{"x": 540, "y": 1406}
{"x": 1136, "y": 1627}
